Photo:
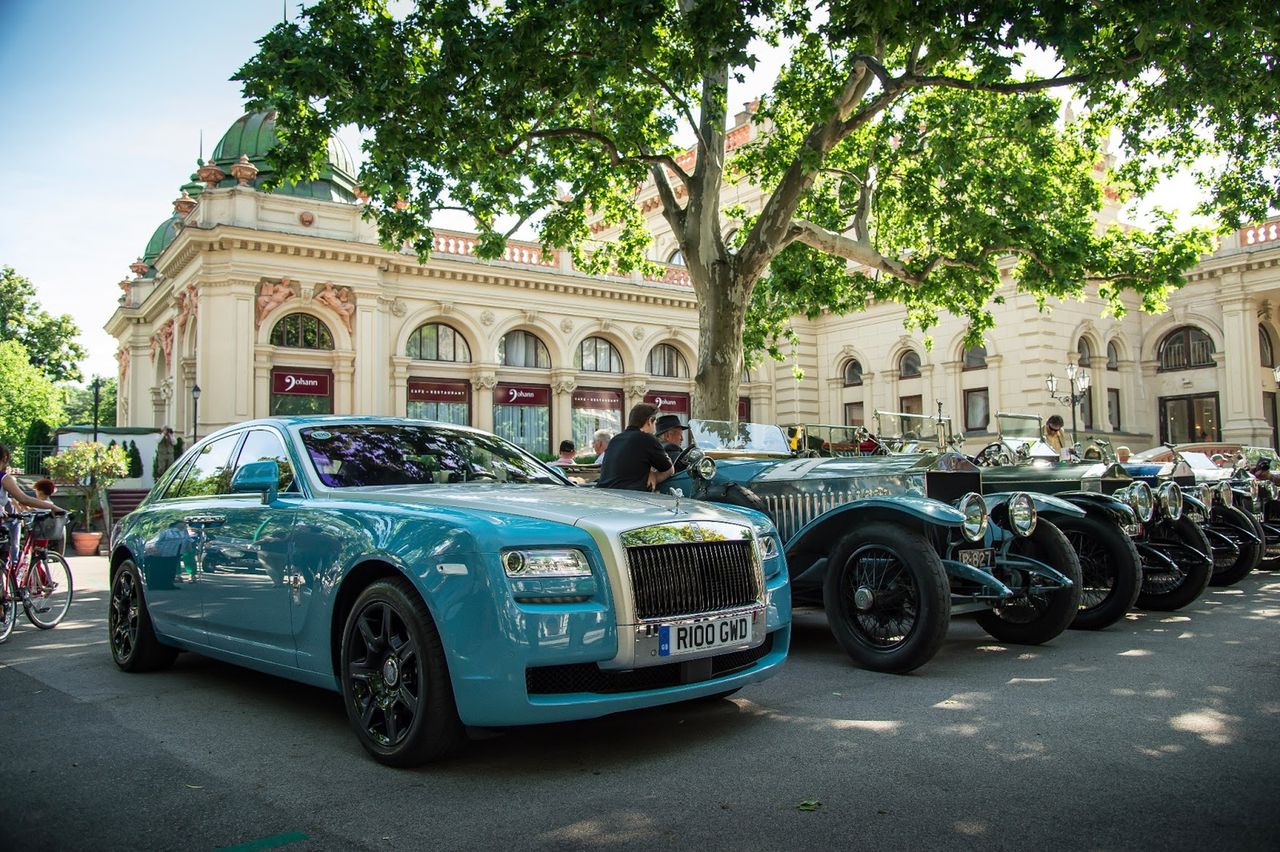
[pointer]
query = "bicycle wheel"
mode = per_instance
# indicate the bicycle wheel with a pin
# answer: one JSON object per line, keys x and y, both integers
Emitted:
{"x": 8, "y": 604}
{"x": 49, "y": 588}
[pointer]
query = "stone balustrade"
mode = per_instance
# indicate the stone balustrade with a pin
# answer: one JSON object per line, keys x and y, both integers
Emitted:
{"x": 1265, "y": 232}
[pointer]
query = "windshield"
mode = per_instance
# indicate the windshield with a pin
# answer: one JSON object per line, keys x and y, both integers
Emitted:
{"x": 353, "y": 455}
{"x": 829, "y": 440}
{"x": 910, "y": 427}
{"x": 739, "y": 437}
{"x": 1019, "y": 425}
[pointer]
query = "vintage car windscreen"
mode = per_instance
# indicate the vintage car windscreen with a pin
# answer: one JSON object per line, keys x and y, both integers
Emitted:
{"x": 757, "y": 438}
{"x": 911, "y": 427}
{"x": 1019, "y": 425}
{"x": 355, "y": 455}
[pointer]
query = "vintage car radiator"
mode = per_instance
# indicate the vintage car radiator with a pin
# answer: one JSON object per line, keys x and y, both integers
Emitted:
{"x": 694, "y": 577}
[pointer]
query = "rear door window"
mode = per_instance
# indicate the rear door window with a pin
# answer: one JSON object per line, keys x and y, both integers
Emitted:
{"x": 265, "y": 445}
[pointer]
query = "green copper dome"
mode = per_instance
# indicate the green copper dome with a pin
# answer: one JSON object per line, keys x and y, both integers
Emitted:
{"x": 253, "y": 135}
{"x": 159, "y": 241}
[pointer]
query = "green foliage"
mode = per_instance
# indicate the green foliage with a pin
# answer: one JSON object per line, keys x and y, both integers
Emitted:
{"x": 135, "y": 460}
{"x": 50, "y": 341}
{"x": 92, "y": 465}
{"x": 27, "y": 396}
{"x": 908, "y": 156}
{"x": 39, "y": 434}
{"x": 79, "y": 402}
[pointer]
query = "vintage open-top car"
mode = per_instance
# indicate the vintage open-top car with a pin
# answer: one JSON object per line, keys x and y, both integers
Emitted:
{"x": 438, "y": 576}
{"x": 892, "y": 546}
{"x": 1175, "y": 561}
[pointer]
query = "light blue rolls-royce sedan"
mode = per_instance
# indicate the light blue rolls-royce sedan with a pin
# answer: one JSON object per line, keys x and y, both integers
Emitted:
{"x": 438, "y": 576}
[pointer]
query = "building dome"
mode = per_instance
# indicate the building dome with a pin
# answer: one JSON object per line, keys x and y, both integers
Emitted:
{"x": 253, "y": 135}
{"x": 159, "y": 241}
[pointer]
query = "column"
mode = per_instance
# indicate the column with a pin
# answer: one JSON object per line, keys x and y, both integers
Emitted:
{"x": 399, "y": 386}
{"x": 1243, "y": 420}
{"x": 344, "y": 370}
{"x": 952, "y": 396}
{"x": 262, "y": 381}
{"x": 483, "y": 380}
{"x": 563, "y": 384}
{"x": 833, "y": 412}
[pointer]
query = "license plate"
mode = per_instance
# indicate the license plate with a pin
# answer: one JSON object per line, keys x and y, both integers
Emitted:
{"x": 698, "y": 637}
{"x": 983, "y": 557}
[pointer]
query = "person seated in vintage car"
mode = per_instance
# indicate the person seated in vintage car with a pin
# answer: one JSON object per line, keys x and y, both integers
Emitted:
{"x": 671, "y": 433}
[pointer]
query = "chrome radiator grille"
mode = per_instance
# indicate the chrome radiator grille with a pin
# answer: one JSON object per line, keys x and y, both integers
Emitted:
{"x": 793, "y": 511}
{"x": 690, "y": 578}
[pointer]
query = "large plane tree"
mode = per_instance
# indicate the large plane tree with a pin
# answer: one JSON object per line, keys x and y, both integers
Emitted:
{"x": 911, "y": 151}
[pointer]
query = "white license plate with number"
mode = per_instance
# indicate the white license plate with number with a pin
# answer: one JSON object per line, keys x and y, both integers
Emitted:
{"x": 983, "y": 557}
{"x": 675, "y": 640}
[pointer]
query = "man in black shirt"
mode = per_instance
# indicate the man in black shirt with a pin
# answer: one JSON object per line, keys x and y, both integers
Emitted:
{"x": 635, "y": 460}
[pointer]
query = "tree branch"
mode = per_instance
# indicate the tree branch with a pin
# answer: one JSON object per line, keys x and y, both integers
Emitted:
{"x": 606, "y": 142}
{"x": 920, "y": 81}
{"x": 671, "y": 209}
{"x": 859, "y": 251}
{"x": 685, "y": 109}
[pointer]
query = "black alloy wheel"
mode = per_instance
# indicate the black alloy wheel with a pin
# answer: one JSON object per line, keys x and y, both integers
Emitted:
{"x": 134, "y": 646}
{"x": 395, "y": 682}
{"x": 887, "y": 598}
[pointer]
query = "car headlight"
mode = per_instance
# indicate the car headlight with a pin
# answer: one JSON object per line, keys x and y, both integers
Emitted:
{"x": 1139, "y": 497}
{"x": 549, "y": 562}
{"x": 1206, "y": 494}
{"x": 1224, "y": 492}
{"x": 1170, "y": 497}
{"x": 704, "y": 468}
{"x": 1022, "y": 514}
{"x": 974, "y": 509}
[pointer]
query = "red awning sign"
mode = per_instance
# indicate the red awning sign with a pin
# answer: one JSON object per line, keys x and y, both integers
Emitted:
{"x": 538, "y": 395}
{"x": 597, "y": 398}
{"x": 669, "y": 403}
{"x": 424, "y": 391}
{"x": 295, "y": 383}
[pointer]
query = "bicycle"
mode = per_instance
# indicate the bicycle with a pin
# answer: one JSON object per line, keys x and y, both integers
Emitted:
{"x": 40, "y": 579}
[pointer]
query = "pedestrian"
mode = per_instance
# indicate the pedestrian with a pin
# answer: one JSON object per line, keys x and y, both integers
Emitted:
{"x": 1053, "y": 433}
{"x": 600, "y": 442}
{"x": 16, "y": 496}
{"x": 566, "y": 455}
{"x": 636, "y": 460}
{"x": 670, "y": 432}
{"x": 164, "y": 453}
{"x": 1123, "y": 453}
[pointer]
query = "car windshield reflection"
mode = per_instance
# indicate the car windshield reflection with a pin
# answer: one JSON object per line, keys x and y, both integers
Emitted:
{"x": 721, "y": 435}
{"x": 356, "y": 455}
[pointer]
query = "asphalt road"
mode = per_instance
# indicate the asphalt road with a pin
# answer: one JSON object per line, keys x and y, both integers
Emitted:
{"x": 1160, "y": 733}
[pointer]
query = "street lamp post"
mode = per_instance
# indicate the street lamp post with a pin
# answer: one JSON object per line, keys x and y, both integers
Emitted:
{"x": 1078, "y": 380}
{"x": 195, "y": 413}
{"x": 97, "y": 399}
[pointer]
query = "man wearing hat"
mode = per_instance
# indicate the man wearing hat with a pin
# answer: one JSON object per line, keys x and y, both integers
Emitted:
{"x": 671, "y": 434}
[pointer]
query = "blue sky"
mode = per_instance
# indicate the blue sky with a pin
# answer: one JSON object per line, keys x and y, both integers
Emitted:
{"x": 101, "y": 112}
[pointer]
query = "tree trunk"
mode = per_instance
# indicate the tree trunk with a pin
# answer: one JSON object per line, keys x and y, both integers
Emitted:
{"x": 722, "y": 309}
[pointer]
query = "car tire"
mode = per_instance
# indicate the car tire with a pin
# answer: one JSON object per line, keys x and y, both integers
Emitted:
{"x": 1110, "y": 569}
{"x": 134, "y": 645}
{"x": 878, "y": 576}
{"x": 1250, "y": 551}
{"x": 1034, "y": 619}
{"x": 394, "y": 677}
{"x": 1169, "y": 595}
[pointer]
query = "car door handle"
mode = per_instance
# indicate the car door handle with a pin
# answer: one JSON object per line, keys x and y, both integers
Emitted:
{"x": 205, "y": 520}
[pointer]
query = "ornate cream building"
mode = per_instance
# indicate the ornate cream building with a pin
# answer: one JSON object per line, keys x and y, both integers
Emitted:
{"x": 285, "y": 302}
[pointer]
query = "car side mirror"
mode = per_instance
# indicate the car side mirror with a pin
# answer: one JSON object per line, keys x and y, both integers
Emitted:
{"x": 258, "y": 477}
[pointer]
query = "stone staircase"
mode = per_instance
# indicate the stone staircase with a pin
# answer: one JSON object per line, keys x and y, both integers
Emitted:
{"x": 122, "y": 501}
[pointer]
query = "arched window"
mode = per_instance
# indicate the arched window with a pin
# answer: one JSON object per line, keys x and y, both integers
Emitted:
{"x": 1113, "y": 356}
{"x": 665, "y": 360}
{"x": 597, "y": 355}
{"x": 909, "y": 365}
{"x": 1085, "y": 351}
{"x": 301, "y": 331}
{"x": 676, "y": 258}
{"x": 1186, "y": 348}
{"x": 1264, "y": 346}
{"x": 852, "y": 372}
{"x": 522, "y": 349}
{"x": 437, "y": 342}
{"x": 975, "y": 358}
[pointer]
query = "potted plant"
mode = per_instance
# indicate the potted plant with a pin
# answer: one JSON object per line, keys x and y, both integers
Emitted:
{"x": 94, "y": 467}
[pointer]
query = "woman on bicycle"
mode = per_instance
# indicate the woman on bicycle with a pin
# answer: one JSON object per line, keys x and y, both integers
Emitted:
{"x": 14, "y": 493}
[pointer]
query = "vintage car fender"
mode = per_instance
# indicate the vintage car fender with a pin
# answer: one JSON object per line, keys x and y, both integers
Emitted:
{"x": 1111, "y": 508}
{"x": 1047, "y": 505}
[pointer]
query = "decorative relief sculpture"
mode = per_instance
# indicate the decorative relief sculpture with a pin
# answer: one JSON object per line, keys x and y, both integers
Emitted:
{"x": 566, "y": 325}
{"x": 184, "y": 203}
{"x": 636, "y": 389}
{"x": 244, "y": 171}
{"x": 487, "y": 317}
{"x": 138, "y": 267}
{"x": 164, "y": 337}
{"x": 339, "y": 299}
{"x": 211, "y": 174}
{"x": 484, "y": 381}
{"x": 186, "y": 301}
{"x": 638, "y": 332}
{"x": 565, "y": 385}
{"x": 122, "y": 356}
{"x": 272, "y": 296}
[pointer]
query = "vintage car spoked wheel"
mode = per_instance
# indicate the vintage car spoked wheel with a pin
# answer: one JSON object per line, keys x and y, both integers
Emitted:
{"x": 395, "y": 683}
{"x": 1251, "y": 552}
{"x": 1037, "y": 616}
{"x": 886, "y": 597}
{"x": 1110, "y": 570}
{"x": 134, "y": 646}
{"x": 1165, "y": 590}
